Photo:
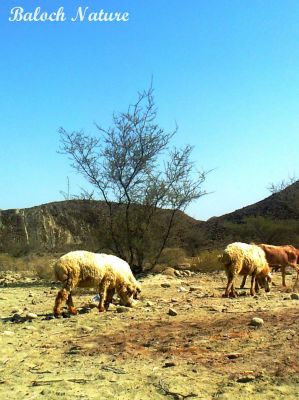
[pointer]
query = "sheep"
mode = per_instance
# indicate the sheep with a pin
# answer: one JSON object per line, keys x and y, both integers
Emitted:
{"x": 245, "y": 259}
{"x": 85, "y": 269}
{"x": 279, "y": 256}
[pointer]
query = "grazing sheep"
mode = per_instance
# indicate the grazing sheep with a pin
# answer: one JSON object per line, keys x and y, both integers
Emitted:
{"x": 281, "y": 256}
{"x": 106, "y": 272}
{"x": 245, "y": 259}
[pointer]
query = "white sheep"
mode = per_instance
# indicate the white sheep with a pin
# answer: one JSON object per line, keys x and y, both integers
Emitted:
{"x": 106, "y": 272}
{"x": 245, "y": 259}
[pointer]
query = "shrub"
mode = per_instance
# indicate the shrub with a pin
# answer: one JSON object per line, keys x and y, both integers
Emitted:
{"x": 172, "y": 256}
{"x": 206, "y": 261}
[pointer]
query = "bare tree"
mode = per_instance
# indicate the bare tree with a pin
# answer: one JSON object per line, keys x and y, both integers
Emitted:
{"x": 278, "y": 187}
{"x": 135, "y": 173}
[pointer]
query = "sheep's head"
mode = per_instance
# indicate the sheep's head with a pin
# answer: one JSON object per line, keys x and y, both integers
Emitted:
{"x": 133, "y": 290}
{"x": 264, "y": 280}
{"x": 129, "y": 293}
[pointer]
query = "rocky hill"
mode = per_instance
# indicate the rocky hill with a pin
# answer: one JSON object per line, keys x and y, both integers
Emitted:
{"x": 65, "y": 225}
{"x": 274, "y": 219}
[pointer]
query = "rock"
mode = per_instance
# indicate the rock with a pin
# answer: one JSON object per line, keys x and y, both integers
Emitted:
{"x": 174, "y": 300}
{"x": 257, "y": 322}
{"x": 294, "y": 296}
{"x": 84, "y": 310}
{"x": 169, "y": 271}
{"x": 17, "y": 318}
{"x": 149, "y": 304}
{"x": 123, "y": 309}
{"x": 194, "y": 288}
{"x": 169, "y": 364}
{"x": 86, "y": 329}
{"x": 172, "y": 312}
{"x": 246, "y": 378}
{"x": 8, "y": 333}
{"x": 30, "y": 316}
{"x": 233, "y": 356}
{"x": 165, "y": 285}
{"x": 182, "y": 289}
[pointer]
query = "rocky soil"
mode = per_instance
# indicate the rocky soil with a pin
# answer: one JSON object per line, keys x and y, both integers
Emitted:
{"x": 182, "y": 340}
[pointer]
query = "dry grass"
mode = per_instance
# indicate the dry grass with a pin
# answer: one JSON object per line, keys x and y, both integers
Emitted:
{"x": 35, "y": 264}
{"x": 205, "y": 261}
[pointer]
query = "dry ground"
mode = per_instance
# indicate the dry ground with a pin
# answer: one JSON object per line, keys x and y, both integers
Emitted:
{"x": 207, "y": 351}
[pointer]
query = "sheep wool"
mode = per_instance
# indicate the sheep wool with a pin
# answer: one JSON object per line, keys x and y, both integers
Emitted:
{"x": 245, "y": 259}
{"x": 106, "y": 272}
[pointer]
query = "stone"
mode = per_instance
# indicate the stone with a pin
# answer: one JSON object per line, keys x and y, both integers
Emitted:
{"x": 194, "y": 288}
{"x": 8, "y": 333}
{"x": 169, "y": 271}
{"x": 17, "y": 318}
{"x": 169, "y": 364}
{"x": 233, "y": 356}
{"x": 30, "y": 316}
{"x": 182, "y": 289}
{"x": 149, "y": 304}
{"x": 123, "y": 309}
{"x": 165, "y": 285}
{"x": 257, "y": 322}
{"x": 172, "y": 312}
{"x": 294, "y": 296}
{"x": 246, "y": 378}
{"x": 86, "y": 329}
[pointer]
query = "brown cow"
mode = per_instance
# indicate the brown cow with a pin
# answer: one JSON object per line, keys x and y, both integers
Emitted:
{"x": 282, "y": 256}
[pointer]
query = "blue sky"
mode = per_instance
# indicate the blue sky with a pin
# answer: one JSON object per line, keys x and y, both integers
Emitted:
{"x": 226, "y": 71}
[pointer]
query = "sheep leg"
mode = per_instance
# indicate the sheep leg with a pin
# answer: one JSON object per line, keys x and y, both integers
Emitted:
{"x": 233, "y": 292}
{"x": 257, "y": 288}
{"x": 230, "y": 285}
{"x": 243, "y": 282}
{"x": 70, "y": 304}
{"x": 61, "y": 297}
{"x": 109, "y": 297}
{"x": 252, "y": 292}
{"x": 104, "y": 285}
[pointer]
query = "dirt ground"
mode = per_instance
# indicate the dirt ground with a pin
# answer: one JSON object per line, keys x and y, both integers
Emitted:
{"x": 208, "y": 350}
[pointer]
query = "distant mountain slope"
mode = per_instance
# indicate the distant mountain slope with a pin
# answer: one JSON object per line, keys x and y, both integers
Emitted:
{"x": 282, "y": 205}
{"x": 65, "y": 225}
{"x": 281, "y": 208}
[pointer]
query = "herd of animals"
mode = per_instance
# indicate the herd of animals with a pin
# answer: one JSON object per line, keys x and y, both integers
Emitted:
{"x": 111, "y": 274}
